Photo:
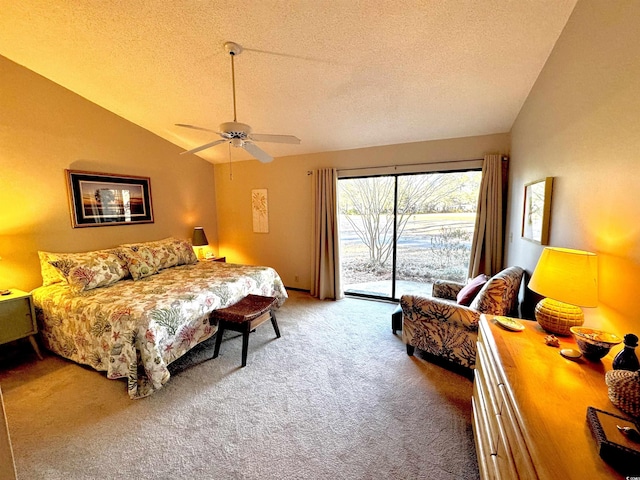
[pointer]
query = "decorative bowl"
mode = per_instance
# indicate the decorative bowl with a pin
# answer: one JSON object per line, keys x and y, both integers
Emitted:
{"x": 594, "y": 344}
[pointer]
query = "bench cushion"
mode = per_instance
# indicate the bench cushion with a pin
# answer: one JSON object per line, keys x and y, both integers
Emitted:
{"x": 250, "y": 307}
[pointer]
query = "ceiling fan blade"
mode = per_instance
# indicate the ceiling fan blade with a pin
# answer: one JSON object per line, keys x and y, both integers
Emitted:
{"x": 204, "y": 147}
{"x": 263, "y": 137}
{"x": 185, "y": 125}
{"x": 257, "y": 152}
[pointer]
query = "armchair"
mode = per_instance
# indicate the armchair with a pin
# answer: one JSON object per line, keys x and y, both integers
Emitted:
{"x": 445, "y": 329}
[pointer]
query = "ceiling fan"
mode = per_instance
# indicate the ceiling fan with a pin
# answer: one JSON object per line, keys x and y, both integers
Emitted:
{"x": 239, "y": 134}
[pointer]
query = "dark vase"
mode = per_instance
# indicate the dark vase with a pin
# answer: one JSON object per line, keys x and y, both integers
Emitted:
{"x": 626, "y": 358}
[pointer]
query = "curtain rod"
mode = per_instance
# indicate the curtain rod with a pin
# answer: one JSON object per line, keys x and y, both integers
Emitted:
{"x": 413, "y": 164}
{"x": 504, "y": 159}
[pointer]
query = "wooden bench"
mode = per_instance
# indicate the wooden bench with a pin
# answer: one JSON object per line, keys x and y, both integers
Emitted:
{"x": 244, "y": 317}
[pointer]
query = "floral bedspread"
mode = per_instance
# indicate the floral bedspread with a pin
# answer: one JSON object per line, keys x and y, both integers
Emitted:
{"x": 134, "y": 329}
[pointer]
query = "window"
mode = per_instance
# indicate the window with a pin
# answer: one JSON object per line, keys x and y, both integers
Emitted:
{"x": 398, "y": 233}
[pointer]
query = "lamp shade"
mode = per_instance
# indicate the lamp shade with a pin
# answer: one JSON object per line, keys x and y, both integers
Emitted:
{"x": 566, "y": 275}
{"x": 199, "y": 238}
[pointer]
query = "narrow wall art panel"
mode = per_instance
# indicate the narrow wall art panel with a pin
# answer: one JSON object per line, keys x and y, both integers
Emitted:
{"x": 260, "y": 208}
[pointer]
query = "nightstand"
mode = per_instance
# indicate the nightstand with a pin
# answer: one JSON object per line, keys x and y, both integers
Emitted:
{"x": 18, "y": 319}
{"x": 215, "y": 259}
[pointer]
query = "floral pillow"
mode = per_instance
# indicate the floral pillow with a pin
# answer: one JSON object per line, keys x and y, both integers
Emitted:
{"x": 142, "y": 261}
{"x": 50, "y": 274}
{"x": 173, "y": 251}
{"x": 168, "y": 252}
{"x": 85, "y": 271}
{"x": 184, "y": 250}
{"x": 164, "y": 253}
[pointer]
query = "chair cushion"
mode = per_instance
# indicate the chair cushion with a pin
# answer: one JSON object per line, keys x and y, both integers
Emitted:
{"x": 471, "y": 289}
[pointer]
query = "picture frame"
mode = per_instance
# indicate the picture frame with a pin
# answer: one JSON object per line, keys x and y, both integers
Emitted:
{"x": 536, "y": 212}
{"x": 614, "y": 447}
{"x": 105, "y": 199}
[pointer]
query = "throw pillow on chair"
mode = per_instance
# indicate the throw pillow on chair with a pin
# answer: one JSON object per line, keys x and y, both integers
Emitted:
{"x": 471, "y": 289}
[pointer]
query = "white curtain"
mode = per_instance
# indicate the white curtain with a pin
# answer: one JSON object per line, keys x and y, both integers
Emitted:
{"x": 487, "y": 244}
{"x": 325, "y": 268}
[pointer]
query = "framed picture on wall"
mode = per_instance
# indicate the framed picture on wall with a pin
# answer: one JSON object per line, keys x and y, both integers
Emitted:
{"x": 104, "y": 199}
{"x": 537, "y": 211}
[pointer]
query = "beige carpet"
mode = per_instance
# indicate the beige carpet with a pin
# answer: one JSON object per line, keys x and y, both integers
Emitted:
{"x": 336, "y": 397}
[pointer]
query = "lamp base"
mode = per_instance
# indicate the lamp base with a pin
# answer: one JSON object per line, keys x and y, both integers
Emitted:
{"x": 558, "y": 317}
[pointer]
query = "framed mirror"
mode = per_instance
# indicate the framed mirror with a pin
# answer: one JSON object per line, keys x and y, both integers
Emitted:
{"x": 537, "y": 211}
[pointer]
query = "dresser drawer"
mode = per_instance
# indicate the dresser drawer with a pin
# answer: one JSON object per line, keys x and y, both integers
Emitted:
{"x": 503, "y": 463}
{"x": 486, "y": 418}
{"x": 486, "y": 401}
{"x": 514, "y": 438}
{"x": 483, "y": 449}
{"x": 485, "y": 363}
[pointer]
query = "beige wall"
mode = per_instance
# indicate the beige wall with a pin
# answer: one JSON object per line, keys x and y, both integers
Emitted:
{"x": 287, "y": 246}
{"x": 581, "y": 125}
{"x": 45, "y": 129}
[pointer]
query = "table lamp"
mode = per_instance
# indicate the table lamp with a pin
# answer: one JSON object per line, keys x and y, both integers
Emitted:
{"x": 199, "y": 239}
{"x": 569, "y": 280}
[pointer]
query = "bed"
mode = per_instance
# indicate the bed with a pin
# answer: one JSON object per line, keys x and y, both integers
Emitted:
{"x": 144, "y": 315}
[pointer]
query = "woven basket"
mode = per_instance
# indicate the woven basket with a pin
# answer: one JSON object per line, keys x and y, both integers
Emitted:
{"x": 624, "y": 391}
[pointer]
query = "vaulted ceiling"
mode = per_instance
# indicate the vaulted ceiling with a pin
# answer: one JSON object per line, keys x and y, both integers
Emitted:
{"x": 338, "y": 74}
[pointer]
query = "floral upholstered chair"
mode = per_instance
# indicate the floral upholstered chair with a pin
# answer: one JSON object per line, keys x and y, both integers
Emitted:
{"x": 444, "y": 328}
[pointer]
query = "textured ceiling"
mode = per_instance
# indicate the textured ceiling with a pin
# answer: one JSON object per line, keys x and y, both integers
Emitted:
{"x": 338, "y": 74}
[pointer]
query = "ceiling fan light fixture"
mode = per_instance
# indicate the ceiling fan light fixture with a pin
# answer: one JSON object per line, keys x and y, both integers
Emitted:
{"x": 237, "y": 142}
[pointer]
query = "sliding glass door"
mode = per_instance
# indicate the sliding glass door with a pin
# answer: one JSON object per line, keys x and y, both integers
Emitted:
{"x": 400, "y": 232}
{"x": 367, "y": 232}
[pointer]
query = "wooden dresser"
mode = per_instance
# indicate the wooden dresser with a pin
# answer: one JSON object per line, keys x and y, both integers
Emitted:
{"x": 530, "y": 406}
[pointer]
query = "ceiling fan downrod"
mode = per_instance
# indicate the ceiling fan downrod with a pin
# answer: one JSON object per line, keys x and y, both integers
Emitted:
{"x": 233, "y": 49}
